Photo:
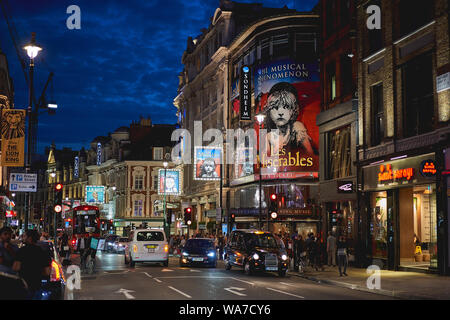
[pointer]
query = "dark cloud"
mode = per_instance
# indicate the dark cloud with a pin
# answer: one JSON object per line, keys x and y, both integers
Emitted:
{"x": 123, "y": 63}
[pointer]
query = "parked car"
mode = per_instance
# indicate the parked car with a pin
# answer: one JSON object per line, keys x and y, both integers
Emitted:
{"x": 55, "y": 286}
{"x": 120, "y": 245}
{"x": 199, "y": 251}
{"x": 147, "y": 245}
{"x": 255, "y": 250}
{"x": 109, "y": 242}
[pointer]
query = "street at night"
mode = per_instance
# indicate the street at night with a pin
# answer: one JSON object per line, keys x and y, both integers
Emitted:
{"x": 225, "y": 158}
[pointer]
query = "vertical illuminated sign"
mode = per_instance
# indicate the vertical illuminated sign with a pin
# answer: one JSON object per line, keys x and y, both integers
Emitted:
{"x": 76, "y": 168}
{"x": 245, "y": 94}
{"x": 99, "y": 153}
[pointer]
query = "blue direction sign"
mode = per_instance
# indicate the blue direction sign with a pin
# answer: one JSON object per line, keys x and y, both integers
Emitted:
{"x": 23, "y": 182}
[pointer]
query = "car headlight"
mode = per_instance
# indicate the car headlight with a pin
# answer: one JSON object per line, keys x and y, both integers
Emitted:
{"x": 256, "y": 256}
{"x": 185, "y": 254}
{"x": 211, "y": 254}
{"x": 284, "y": 257}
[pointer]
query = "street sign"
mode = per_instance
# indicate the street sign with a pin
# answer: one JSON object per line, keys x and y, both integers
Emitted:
{"x": 23, "y": 182}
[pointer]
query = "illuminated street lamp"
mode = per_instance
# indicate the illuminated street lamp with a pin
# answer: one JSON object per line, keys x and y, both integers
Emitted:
{"x": 260, "y": 118}
{"x": 32, "y": 50}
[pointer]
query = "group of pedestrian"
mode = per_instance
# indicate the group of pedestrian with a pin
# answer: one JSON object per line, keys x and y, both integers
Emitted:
{"x": 337, "y": 248}
{"x": 30, "y": 261}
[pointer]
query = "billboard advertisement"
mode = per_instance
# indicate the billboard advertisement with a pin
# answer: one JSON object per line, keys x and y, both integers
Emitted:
{"x": 173, "y": 182}
{"x": 207, "y": 163}
{"x": 95, "y": 194}
{"x": 244, "y": 162}
{"x": 13, "y": 137}
{"x": 288, "y": 93}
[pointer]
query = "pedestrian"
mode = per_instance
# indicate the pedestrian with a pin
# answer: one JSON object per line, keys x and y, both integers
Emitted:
{"x": 183, "y": 241}
{"x": 331, "y": 249}
{"x": 81, "y": 248}
{"x": 65, "y": 249}
{"x": 32, "y": 263}
{"x": 342, "y": 255}
{"x": 8, "y": 250}
{"x": 171, "y": 242}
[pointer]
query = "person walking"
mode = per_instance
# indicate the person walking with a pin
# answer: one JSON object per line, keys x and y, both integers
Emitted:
{"x": 8, "y": 251}
{"x": 32, "y": 263}
{"x": 65, "y": 248}
{"x": 342, "y": 255}
{"x": 331, "y": 249}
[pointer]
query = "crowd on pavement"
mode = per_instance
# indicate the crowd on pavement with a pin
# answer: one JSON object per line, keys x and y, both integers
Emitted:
{"x": 315, "y": 252}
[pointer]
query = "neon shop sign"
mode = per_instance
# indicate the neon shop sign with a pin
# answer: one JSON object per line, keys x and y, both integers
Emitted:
{"x": 388, "y": 174}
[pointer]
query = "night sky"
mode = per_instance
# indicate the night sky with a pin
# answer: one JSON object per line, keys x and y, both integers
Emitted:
{"x": 123, "y": 63}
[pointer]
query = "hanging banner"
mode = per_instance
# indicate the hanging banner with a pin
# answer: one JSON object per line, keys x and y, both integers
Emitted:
{"x": 288, "y": 93}
{"x": 13, "y": 137}
{"x": 207, "y": 163}
{"x": 245, "y": 94}
{"x": 99, "y": 154}
{"x": 173, "y": 182}
{"x": 76, "y": 170}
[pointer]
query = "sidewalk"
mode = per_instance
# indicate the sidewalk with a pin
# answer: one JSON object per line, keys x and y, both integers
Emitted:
{"x": 403, "y": 285}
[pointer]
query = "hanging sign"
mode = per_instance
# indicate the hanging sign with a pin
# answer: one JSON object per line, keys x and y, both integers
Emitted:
{"x": 245, "y": 94}
{"x": 428, "y": 168}
{"x": 76, "y": 170}
{"x": 13, "y": 137}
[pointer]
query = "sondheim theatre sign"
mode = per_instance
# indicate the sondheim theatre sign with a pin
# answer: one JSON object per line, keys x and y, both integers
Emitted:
{"x": 246, "y": 94}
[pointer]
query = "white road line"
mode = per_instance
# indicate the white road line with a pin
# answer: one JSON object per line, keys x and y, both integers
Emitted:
{"x": 289, "y": 294}
{"x": 247, "y": 282}
{"x": 195, "y": 270}
{"x": 147, "y": 274}
{"x": 288, "y": 284}
{"x": 157, "y": 280}
{"x": 180, "y": 292}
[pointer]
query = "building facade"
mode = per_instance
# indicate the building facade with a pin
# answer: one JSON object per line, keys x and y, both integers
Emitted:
{"x": 403, "y": 134}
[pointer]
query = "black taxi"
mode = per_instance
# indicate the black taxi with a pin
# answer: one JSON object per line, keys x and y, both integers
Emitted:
{"x": 255, "y": 250}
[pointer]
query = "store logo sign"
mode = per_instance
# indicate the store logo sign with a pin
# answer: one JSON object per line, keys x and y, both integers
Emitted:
{"x": 428, "y": 168}
{"x": 387, "y": 174}
{"x": 245, "y": 94}
{"x": 345, "y": 186}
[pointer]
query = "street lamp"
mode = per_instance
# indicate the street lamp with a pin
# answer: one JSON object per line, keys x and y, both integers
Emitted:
{"x": 165, "y": 164}
{"x": 260, "y": 118}
{"x": 32, "y": 50}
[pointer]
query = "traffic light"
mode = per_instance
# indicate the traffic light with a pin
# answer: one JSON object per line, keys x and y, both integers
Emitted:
{"x": 273, "y": 207}
{"x": 232, "y": 218}
{"x": 187, "y": 215}
{"x": 58, "y": 197}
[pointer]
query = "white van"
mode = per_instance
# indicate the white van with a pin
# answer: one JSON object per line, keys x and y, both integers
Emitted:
{"x": 147, "y": 245}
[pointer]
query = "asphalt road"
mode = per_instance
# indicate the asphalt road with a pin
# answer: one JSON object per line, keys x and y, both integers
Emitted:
{"x": 113, "y": 280}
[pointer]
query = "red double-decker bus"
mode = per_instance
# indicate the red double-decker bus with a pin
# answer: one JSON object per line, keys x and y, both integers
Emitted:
{"x": 84, "y": 220}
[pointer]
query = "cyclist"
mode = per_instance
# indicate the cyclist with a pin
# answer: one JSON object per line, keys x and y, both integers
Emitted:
{"x": 91, "y": 251}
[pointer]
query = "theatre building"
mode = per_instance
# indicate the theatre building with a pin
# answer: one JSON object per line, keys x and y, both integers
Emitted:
{"x": 403, "y": 118}
{"x": 279, "y": 54}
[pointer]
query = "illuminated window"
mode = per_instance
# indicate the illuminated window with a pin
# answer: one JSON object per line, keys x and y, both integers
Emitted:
{"x": 138, "y": 205}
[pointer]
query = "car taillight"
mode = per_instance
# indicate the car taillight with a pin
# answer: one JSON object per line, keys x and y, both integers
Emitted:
{"x": 166, "y": 248}
{"x": 56, "y": 272}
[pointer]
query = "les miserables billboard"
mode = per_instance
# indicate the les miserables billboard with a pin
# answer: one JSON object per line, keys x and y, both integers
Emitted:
{"x": 288, "y": 94}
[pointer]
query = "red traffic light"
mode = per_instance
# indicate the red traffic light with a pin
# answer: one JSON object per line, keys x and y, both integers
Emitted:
{"x": 273, "y": 196}
{"x": 58, "y": 186}
{"x": 58, "y": 208}
{"x": 188, "y": 210}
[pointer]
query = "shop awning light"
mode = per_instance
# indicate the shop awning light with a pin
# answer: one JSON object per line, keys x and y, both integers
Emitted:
{"x": 401, "y": 157}
{"x": 378, "y": 162}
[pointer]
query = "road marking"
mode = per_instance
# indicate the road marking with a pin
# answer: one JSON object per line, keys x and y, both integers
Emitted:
{"x": 126, "y": 292}
{"x": 157, "y": 280}
{"x": 166, "y": 270}
{"x": 147, "y": 274}
{"x": 289, "y": 294}
{"x": 247, "y": 282}
{"x": 232, "y": 290}
{"x": 288, "y": 284}
{"x": 180, "y": 292}
{"x": 195, "y": 270}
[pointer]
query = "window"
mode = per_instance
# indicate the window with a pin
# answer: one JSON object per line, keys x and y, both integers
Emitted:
{"x": 345, "y": 12}
{"x": 138, "y": 208}
{"x": 418, "y": 98}
{"x": 414, "y": 14}
{"x": 158, "y": 153}
{"x": 330, "y": 15}
{"x": 155, "y": 183}
{"x": 331, "y": 79}
{"x": 281, "y": 46}
{"x": 346, "y": 75}
{"x": 265, "y": 49}
{"x": 139, "y": 182}
{"x": 339, "y": 162}
{"x": 377, "y": 107}
{"x": 305, "y": 46}
{"x": 149, "y": 236}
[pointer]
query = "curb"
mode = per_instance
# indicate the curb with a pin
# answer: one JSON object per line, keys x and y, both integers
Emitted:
{"x": 360, "y": 288}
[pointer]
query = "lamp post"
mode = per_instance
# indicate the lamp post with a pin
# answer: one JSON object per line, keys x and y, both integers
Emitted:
{"x": 260, "y": 118}
{"x": 165, "y": 164}
{"x": 32, "y": 50}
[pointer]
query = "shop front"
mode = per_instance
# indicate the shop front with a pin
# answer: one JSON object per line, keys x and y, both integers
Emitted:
{"x": 402, "y": 213}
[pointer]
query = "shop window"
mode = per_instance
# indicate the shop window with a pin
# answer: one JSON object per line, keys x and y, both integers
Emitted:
{"x": 339, "y": 153}
{"x": 379, "y": 225}
{"x": 418, "y": 98}
{"x": 377, "y": 107}
{"x": 414, "y": 14}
